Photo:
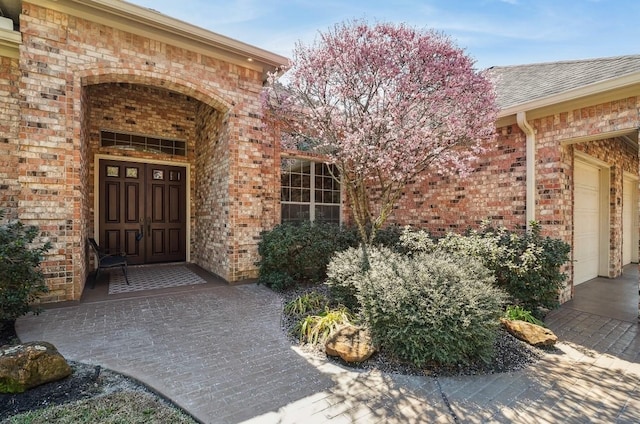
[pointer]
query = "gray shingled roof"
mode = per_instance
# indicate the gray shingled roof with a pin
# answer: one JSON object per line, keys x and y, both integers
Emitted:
{"x": 524, "y": 83}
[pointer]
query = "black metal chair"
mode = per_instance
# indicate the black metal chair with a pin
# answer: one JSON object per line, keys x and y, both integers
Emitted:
{"x": 106, "y": 261}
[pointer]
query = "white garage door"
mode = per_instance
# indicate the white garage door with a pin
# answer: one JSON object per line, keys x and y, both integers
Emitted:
{"x": 628, "y": 228}
{"x": 586, "y": 220}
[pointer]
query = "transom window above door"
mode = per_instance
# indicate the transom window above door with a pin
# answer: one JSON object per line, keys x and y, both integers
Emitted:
{"x": 143, "y": 143}
{"x": 309, "y": 191}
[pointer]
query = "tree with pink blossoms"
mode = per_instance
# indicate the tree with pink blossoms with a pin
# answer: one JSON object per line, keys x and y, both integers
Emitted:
{"x": 387, "y": 105}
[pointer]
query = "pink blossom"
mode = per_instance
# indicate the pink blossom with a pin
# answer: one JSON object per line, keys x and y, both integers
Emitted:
{"x": 387, "y": 104}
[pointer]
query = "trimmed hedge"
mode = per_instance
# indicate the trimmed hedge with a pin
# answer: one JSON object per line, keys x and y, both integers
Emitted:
{"x": 298, "y": 253}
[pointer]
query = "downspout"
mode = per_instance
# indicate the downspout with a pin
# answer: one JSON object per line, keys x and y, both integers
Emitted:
{"x": 521, "y": 119}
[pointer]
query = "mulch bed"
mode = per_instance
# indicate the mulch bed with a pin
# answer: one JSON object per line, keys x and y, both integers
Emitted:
{"x": 85, "y": 382}
{"x": 511, "y": 354}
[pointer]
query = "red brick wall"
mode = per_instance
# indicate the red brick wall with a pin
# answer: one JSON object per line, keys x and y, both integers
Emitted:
{"x": 494, "y": 191}
{"x": 249, "y": 190}
{"x": 64, "y": 62}
{"x": 211, "y": 234}
{"x": 9, "y": 127}
{"x": 85, "y": 204}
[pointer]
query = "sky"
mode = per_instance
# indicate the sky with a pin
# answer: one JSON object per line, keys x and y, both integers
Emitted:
{"x": 492, "y": 32}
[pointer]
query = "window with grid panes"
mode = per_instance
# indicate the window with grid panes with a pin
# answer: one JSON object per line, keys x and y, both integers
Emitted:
{"x": 143, "y": 143}
{"x": 309, "y": 192}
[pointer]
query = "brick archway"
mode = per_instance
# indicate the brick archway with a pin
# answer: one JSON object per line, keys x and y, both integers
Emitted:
{"x": 200, "y": 90}
{"x": 173, "y": 104}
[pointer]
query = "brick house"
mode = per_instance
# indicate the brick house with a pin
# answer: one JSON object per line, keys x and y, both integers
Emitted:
{"x": 145, "y": 132}
{"x": 566, "y": 156}
{"x": 119, "y": 122}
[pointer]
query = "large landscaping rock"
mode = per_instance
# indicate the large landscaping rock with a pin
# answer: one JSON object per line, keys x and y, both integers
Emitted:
{"x": 27, "y": 365}
{"x": 533, "y": 334}
{"x": 351, "y": 343}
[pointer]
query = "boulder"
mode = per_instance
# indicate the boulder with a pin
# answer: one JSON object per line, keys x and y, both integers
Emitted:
{"x": 351, "y": 343}
{"x": 27, "y": 365}
{"x": 533, "y": 334}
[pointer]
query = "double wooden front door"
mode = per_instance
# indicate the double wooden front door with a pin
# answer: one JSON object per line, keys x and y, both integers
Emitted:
{"x": 142, "y": 211}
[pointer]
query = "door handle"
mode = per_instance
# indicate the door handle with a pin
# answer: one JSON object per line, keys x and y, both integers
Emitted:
{"x": 148, "y": 225}
{"x": 140, "y": 235}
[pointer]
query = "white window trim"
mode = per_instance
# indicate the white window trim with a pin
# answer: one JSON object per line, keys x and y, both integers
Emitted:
{"x": 312, "y": 195}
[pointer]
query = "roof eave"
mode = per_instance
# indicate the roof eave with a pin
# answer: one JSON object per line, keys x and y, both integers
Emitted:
{"x": 10, "y": 43}
{"x": 584, "y": 91}
{"x": 237, "y": 51}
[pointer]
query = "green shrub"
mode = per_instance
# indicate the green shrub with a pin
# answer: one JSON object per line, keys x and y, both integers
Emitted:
{"x": 299, "y": 253}
{"x": 516, "y": 313}
{"x": 315, "y": 329}
{"x": 21, "y": 280}
{"x": 429, "y": 308}
{"x": 389, "y": 237}
{"x": 526, "y": 265}
{"x": 346, "y": 268}
{"x": 414, "y": 240}
{"x": 308, "y": 303}
{"x": 344, "y": 274}
{"x": 294, "y": 253}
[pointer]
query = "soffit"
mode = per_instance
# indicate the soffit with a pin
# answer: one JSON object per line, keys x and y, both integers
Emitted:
{"x": 11, "y": 9}
{"x": 570, "y": 101}
{"x": 9, "y": 43}
{"x": 149, "y": 23}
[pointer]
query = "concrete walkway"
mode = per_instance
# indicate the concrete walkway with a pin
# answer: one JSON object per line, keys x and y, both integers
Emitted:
{"x": 218, "y": 351}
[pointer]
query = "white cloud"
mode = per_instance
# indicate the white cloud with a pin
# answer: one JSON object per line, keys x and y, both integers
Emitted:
{"x": 209, "y": 14}
{"x": 492, "y": 31}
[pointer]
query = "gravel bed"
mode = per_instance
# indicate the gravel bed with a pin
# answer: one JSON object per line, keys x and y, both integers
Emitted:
{"x": 511, "y": 354}
{"x": 86, "y": 382}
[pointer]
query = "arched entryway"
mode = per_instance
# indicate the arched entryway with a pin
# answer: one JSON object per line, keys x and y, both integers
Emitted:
{"x": 146, "y": 147}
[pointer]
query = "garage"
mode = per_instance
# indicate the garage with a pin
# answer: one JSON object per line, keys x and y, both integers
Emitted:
{"x": 629, "y": 220}
{"x": 587, "y": 219}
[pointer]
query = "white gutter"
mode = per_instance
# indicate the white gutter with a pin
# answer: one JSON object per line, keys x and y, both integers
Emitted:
{"x": 586, "y": 90}
{"x": 521, "y": 119}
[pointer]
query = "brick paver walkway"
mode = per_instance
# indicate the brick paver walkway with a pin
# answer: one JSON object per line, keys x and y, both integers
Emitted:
{"x": 219, "y": 353}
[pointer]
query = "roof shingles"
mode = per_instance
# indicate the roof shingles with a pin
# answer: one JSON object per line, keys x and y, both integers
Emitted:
{"x": 520, "y": 84}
